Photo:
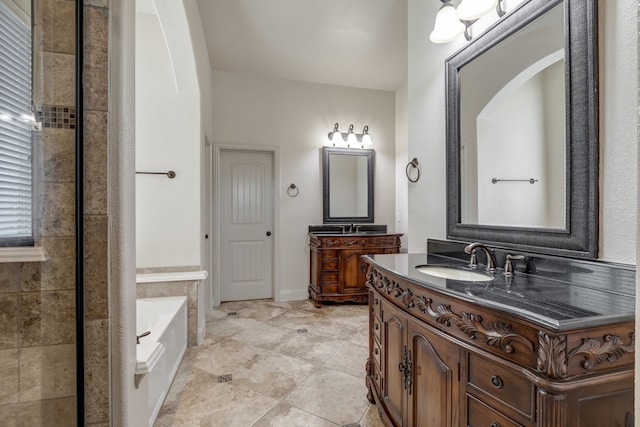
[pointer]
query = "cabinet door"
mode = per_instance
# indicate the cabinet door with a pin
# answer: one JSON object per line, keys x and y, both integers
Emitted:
{"x": 393, "y": 343}
{"x": 350, "y": 276}
{"x": 434, "y": 393}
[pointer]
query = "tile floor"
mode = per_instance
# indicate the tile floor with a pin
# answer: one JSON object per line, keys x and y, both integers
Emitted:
{"x": 278, "y": 364}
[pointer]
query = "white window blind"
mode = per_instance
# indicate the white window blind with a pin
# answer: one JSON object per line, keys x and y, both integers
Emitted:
{"x": 16, "y": 178}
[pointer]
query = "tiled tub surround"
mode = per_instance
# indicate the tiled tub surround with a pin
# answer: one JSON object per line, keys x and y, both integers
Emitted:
{"x": 266, "y": 363}
{"x": 171, "y": 282}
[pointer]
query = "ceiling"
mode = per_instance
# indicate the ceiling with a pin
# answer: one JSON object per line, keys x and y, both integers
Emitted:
{"x": 360, "y": 43}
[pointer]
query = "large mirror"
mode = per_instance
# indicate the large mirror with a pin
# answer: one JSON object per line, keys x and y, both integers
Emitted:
{"x": 347, "y": 185}
{"x": 522, "y": 131}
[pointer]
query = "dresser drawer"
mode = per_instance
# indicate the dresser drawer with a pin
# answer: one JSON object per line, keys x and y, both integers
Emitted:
{"x": 377, "y": 377}
{"x": 500, "y": 385}
{"x": 330, "y": 265}
{"x": 329, "y": 288}
{"x": 376, "y": 304}
{"x": 376, "y": 353}
{"x": 329, "y": 278}
{"x": 376, "y": 327}
{"x": 481, "y": 415}
{"x": 329, "y": 255}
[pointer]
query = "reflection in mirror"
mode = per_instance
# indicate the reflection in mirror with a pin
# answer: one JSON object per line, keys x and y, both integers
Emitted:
{"x": 512, "y": 129}
{"x": 349, "y": 198}
{"x": 522, "y": 148}
{"x": 347, "y": 185}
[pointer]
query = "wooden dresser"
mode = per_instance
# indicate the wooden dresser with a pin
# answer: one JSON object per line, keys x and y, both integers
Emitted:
{"x": 438, "y": 360}
{"x": 336, "y": 271}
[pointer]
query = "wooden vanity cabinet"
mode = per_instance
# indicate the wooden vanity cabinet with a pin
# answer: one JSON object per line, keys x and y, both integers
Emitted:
{"x": 337, "y": 272}
{"x": 418, "y": 370}
{"x": 437, "y": 361}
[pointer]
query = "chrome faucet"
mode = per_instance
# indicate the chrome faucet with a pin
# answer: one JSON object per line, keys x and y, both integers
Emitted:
{"x": 473, "y": 263}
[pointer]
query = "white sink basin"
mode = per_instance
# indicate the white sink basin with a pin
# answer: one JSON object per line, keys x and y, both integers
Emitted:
{"x": 454, "y": 273}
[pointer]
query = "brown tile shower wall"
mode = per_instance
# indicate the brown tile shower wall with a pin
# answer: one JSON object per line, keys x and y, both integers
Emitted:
{"x": 97, "y": 317}
{"x": 37, "y": 300}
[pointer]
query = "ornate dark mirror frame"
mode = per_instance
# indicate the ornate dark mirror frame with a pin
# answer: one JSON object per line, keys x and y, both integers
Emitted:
{"x": 579, "y": 239}
{"x": 326, "y": 166}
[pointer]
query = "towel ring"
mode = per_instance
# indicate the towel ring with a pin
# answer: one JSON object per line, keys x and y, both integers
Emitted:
{"x": 414, "y": 164}
{"x": 291, "y": 189}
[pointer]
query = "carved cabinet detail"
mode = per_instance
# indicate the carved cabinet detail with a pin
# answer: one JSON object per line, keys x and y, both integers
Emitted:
{"x": 337, "y": 272}
{"x": 439, "y": 361}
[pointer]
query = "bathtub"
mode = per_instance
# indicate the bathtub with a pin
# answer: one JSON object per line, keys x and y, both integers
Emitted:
{"x": 159, "y": 353}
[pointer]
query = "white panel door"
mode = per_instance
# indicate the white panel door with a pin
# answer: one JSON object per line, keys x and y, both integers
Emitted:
{"x": 246, "y": 224}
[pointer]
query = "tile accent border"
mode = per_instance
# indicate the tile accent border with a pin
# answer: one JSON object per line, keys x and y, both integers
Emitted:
{"x": 56, "y": 116}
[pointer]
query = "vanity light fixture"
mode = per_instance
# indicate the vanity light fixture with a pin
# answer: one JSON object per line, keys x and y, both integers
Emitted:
{"x": 349, "y": 139}
{"x": 452, "y": 21}
{"x": 448, "y": 26}
{"x": 366, "y": 138}
{"x": 470, "y": 10}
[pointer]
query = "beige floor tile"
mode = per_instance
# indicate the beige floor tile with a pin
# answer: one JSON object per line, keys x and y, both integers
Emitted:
{"x": 285, "y": 415}
{"x": 297, "y": 319}
{"x": 219, "y": 405}
{"x": 310, "y": 347}
{"x": 272, "y": 374}
{"x": 280, "y": 376}
{"x": 263, "y": 335}
{"x": 226, "y": 357}
{"x": 334, "y": 396}
{"x": 351, "y": 359}
{"x": 264, "y": 311}
{"x": 371, "y": 418}
{"x": 222, "y": 329}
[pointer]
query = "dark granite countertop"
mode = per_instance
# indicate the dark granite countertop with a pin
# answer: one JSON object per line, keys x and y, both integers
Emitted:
{"x": 559, "y": 296}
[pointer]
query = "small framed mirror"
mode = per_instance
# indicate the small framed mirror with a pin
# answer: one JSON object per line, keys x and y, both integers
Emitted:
{"x": 347, "y": 185}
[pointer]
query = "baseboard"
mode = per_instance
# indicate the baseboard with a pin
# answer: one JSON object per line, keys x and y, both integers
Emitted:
{"x": 293, "y": 295}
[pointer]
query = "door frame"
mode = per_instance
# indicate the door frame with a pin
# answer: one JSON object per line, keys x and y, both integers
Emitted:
{"x": 216, "y": 278}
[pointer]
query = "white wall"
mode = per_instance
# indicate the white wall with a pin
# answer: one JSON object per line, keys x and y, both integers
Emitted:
{"x": 618, "y": 123}
{"x": 402, "y": 158}
{"x": 168, "y": 137}
{"x": 296, "y": 117}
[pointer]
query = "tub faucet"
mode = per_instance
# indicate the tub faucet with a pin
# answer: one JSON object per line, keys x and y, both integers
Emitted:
{"x": 491, "y": 260}
{"x": 144, "y": 334}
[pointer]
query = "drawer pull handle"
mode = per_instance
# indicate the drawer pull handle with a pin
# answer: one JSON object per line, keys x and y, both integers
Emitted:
{"x": 376, "y": 326}
{"x": 376, "y": 351}
{"x": 376, "y": 301}
{"x": 495, "y": 425}
{"x": 496, "y": 381}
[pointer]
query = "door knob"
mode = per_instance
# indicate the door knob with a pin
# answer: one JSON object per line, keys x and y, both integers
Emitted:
{"x": 268, "y": 233}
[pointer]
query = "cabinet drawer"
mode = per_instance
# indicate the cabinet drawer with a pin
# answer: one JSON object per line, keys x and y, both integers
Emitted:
{"x": 376, "y": 304}
{"x": 329, "y": 278}
{"x": 376, "y": 327}
{"x": 329, "y": 255}
{"x": 501, "y": 384}
{"x": 330, "y": 265}
{"x": 377, "y": 378}
{"x": 481, "y": 415}
{"x": 329, "y": 288}
{"x": 376, "y": 353}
